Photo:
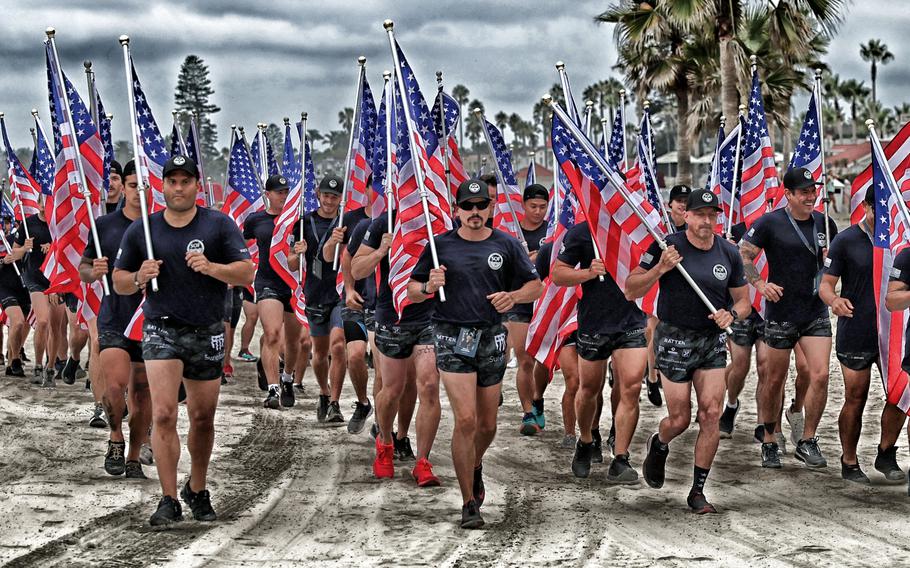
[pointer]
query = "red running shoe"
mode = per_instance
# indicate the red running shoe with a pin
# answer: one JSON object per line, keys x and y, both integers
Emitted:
{"x": 423, "y": 474}
{"x": 382, "y": 465}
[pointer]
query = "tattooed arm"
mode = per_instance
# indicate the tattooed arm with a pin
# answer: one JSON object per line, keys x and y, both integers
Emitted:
{"x": 749, "y": 252}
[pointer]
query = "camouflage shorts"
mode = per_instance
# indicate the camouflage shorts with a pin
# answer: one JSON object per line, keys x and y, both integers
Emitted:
{"x": 489, "y": 362}
{"x": 201, "y": 349}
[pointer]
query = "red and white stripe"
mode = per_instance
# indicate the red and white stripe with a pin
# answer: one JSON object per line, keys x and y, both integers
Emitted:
{"x": 280, "y": 249}
{"x": 897, "y": 152}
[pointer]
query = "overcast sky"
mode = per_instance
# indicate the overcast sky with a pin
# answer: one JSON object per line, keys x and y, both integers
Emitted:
{"x": 282, "y": 57}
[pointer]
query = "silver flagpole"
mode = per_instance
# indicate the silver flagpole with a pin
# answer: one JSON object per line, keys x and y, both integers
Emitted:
{"x": 445, "y": 137}
{"x": 603, "y": 127}
{"x": 415, "y": 158}
{"x": 246, "y": 148}
{"x": 180, "y": 141}
{"x": 886, "y": 167}
{"x": 263, "y": 156}
{"x": 618, "y": 183}
{"x": 144, "y": 184}
{"x": 389, "y": 169}
{"x": 826, "y": 200}
{"x": 303, "y": 141}
{"x": 227, "y": 167}
{"x": 622, "y": 111}
{"x": 499, "y": 177}
{"x": 21, "y": 206}
{"x": 589, "y": 113}
{"x": 736, "y": 166}
{"x": 86, "y": 194}
{"x": 361, "y": 61}
{"x": 210, "y": 190}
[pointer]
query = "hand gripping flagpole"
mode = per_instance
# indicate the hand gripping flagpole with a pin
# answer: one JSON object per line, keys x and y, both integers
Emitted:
{"x": 355, "y": 125}
{"x": 499, "y": 177}
{"x": 389, "y": 91}
{"x": 617, "y": 182}
{"x": 737, "y": 175}
{"x": 86, "y": 193}
{"x": 144, "y": 183}
{"x": 445, "y": 137}
{"x": 826, "y": 199}
{"x": 886, "y": 168}
{"x": 415, "y": 155}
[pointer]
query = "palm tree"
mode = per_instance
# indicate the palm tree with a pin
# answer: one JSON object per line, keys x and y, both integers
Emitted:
{"x": 515, "y": 126}
{"x": 831, "y": 90}
{"x": 853, "y": 92}
{"x": 461, "y": 93}
{"x": 501, "y": 119}
{"x": 474, "y": 127}
{"x": 884, "y": 118}
{"x": 346, "y": 118}
{"x": 314, "y": 136}
{"x": 875, "y": 52}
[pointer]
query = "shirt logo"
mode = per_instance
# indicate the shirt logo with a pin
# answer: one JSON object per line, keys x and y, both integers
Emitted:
{"x": 540, "y": 242}
{"x": 494, "y": 261}
{"x": 821, "y": 239}
{"x": 720, "y": 271}
{"x": 179, "y": 160}
{"x": 474, "y": 187}
{"x": 195, "y": 245}
{"x": 562, "y": 248}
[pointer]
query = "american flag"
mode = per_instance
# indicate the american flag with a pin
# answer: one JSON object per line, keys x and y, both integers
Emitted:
{"x": 417, "y": 140}
{"x": 194, "y": 152}
{"x": 178, "y": 146}
{"x": 310, "y": 200}
{"x": 531, "y": 175}
{"x": 243, "y": 195}
{"x": 724, "y": 176}
{"x": 152, "y": 152}
{"x": 361, "y": 152}
{"x": 24, "y": 189}
{"x": 890, "y": 238}
{"x": 897, "y": 152}
{"x": 616, "y": 152}
{"x": 270, "y": 167}
{"x": 759, "y": 174}
{"x": 457, "y": 173}
{"x": 646, "y": 164}
{"x": 290, "y": 161}
{"x": 42, "y": 167}
{"x": 509, "y": 210}
{"x": 379, "y": 162}
{"x": 6, "y": 208}
{"x": 808, "y": 153}
{"x": 104, "y": 129}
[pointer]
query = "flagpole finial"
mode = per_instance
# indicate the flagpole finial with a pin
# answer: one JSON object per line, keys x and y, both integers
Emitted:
{"x": 361, "y": 61}
{"x": 50, "y": 32}
{"x": 870, "y": 124}
{"x": 386, "y": 74}
{"x": 174, "y": 113}
{"x": 303, "y": 115}
{"x": 233, "y": 127}
{"x": 240, "y": 128}
{"x": 646, "y": 104}
{"x": 818, "y": 73}
{"x": 622, "y": 92}
{"x": 124, "y": 39}
{"x": 261, "y": 125}
{"x": 589, "y": 104}
{"x": 723, "y": 121}
{"x": 477, "y": 110}
{"x": 35, "y": 112}
{"x": 88, "y": 66}
{"x": 742, "y": 109}
{"x": 753, "y": 59}
{"x": 109, "y": 116}
{"x": 439, "y": 76}
{"x": 560, "y": 65}
{"x": 31, "y": 131}
{"x": 388, "y": 25}
{"x": 547, "y": 99}
{"x": 286, "y": 120}
{"x": 2, "y": 114}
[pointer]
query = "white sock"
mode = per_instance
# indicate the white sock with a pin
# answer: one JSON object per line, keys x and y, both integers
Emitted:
{"x": 733, "y": 405}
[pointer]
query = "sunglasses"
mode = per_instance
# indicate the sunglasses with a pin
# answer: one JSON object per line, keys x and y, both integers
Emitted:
{"x": 471, "y": 205}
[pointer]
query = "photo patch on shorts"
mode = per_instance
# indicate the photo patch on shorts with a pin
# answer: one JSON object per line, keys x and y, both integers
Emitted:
{"x": 895, "y": 272}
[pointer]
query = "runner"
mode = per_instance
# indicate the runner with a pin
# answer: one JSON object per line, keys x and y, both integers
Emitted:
{"x": 793, "y": 239}
{"x": 676, "y": 206}
{"x": 199, "y": 252}
{"x": 250, "y": 319}
{"x": 488, "y": 272}
{"x": 690, "y": 340}
{"x": 14, "y": 298}
{"x": 115, "y": 187}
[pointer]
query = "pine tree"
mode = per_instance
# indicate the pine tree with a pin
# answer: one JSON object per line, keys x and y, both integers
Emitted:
{"x": 192, "y": 95}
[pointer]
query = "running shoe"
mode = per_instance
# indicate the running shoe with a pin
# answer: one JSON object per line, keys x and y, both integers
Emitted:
{"x": 470, "y": 516}
{"x": 478, "y": 489}
{"x": 287, "y": 394}
{"x": 403, "y": 451}
{"x": 168, "y": 512}
{"x": 114, "y": 460}
{"x": 383, "y": 466}
{"x": 98, "y": 420}
{"x": 80, "y": 372}
{"x": 322, "y": 408}
{"x": 199, "y": 502}
{"x": 145, "y": 454}
{"x": 529, "y": 425}
{"x": 299, "y": 388}
{"x": 38, "y": 376}
{"x": 770, "y": 458}
{"x": 247, "y": 357}
{"x": 423, "y": 474}
{"x": 581, "y": 461}
{"x": 538, "y": 413}
{"x": 134, "y": 470}
{"x": 807, "y": 451}
{"x": 273, "y": 399}
{"x": 654, "y": 396}
{"x": 853, "y": 472}
{"x": 49, "y": 382}
{"x": 224, "y": 380}
{"x": 621, "y": 472}
{"x": 228, "y": 371}
{"x": 727, "y": 420}
{"x": 23, "y": 356}
{"x": 781, "y": 443}
{"x": 15, "y": 369}
{"x": 359, "y": 418}
{"x": 68, "y": 373}
{"x": 261, "y": 379}
{"x": 597, "y": 455}
{"x": 374, "y": 430}
{"x": 334, "y": 415}
{"x": 797, "y": 423}
{"x": 653, "y": 469}
{"x": 568, "y": 442}
{"x": 699, "y": 504}
{"x": 886, "y": 463}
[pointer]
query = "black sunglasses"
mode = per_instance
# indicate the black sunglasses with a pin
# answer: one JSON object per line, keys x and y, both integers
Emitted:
{"x": 471, "y": 205}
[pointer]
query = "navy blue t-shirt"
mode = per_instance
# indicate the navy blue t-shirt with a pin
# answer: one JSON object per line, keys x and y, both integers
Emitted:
{"x": 850, "y": 259}
{"x": 41, "y": 235}
{"x": 10, "y": 282}
{"x": 603, "y": 307}
{"x": 318, "y": 291}
{"x": 260, "y": 226}
{"x": 737, "y": 231}
{"x": 116, "y": 310}
{"x": 791, "y": 265}
{"x": 474, "y": 270}
{"x": 542, "y": 262}
{"x": 366, "y": 287}
{"x": 533, "y": 238}
{"x": 715, "y": 271}
{"x": 184, "y": 296}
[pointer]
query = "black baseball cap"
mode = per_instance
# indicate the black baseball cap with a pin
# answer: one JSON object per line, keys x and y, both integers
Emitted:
{"x": 680, "y": 191}
{"x": 129, "y": 169}
{"x": 536, "y": 191}
{"x": 798, "y": 178}
{"x": 331, "y": 184}
{"x": 701, "y": 198}
{"x": 116, "y": 168}
{"x": 182, "y": 164}
{"x": 277, "y": 183}
{"x": 473, "y": 188}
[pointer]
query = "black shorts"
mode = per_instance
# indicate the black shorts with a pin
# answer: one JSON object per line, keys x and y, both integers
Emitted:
{"x": 268, "y": 293}
{"x": 18, "y": 297}
{"x": 746, "y": 332}
{"x": 246, "y": 295}
{"x": 600, "y": 346}
{"x": 369, "y": 319}
{"x": 489, "y": 362}
{"x": 680, "y": 352}
{"x": 355, "y": 327}
{"x": 113, "y": 340}
{"x": 398, "y": 341}
{"x": 323, "y": 318}
{"x": 201, "y": 349}
{"x": 571, "y": 340}
{"x": 71, "y": 302}
{"x": 858, "y": 360}
{"x": 232, "y": 310}
{"x": 516, "y": 317}
{"x": 785, "y": 334}
{"x": 36, "y": 287}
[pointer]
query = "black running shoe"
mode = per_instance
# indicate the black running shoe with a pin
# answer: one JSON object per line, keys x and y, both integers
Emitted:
{"x": 23, "y": 356}
{"x": 654, "y": 392}
{"x": 200, "y": 503}
{"x": 68, "y": 372}
{"x": 322, "y": 408}
{"x": 15, "y": 369}
{"x": 280, "y": 364}
{"x": 287, "y": 394}
{"x": 38, "y": 376}
{"x": 699, "y": 504}
{"x": 853, "y": 472}
{"x": 114, "y": 460}
{"x": 168, "y": 512}
{"x": 59, "y": 364}
{"x": 272, "y": 400}
{"x": 581, "y": 461}
{"x": 886, "y": 463}
{"x": 334, "y": 415}
{"x": 299, "y": 388}
{"x": 97, "y": 420}
{"x": 479, "y": 491}
{"x": 597, "y": 453}
{"x": 654, "y": 467}
{"x": 374, "y": 430}
{"x": 808, "y": 452}
{"x": 611, "y": 438}
{"x": 727, "y": 419}
{"x": 403, "y": 451}
{"x": 470, "y": 516}
{"x": 621, "y": 471}
{"x": 359, "y": 419}
{"x": 260, "y": 376}
{"x": 134, "y": 470}
{"x": 770, "y": 458}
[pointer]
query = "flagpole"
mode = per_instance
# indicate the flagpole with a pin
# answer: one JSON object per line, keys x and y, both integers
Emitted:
{"x": 227, "y": 167}
{"x": 210, "y": 191}
{"x": 603, "y": 126}
{"x": 415, "y": 157}
{"x": 532, "y": 156}
{"x": 589, "y": 113}
{"x": 22, "y": 210}
{"x": 617, "y": 182}
{"x": 652, "y": 169}
{"x": 499, "y": 177}
{"x": 886, "y": 168}
{"x": 622, "y": 121}
{"x": 180, "y": 141}
{"x": 302, "y": 134}
{"x": 388, "y": 91}
{"x": 445, "y": 136}
{"x": 86, "y": 193}
{"x": 737, "y": 156}
{"x": 144, "y": 183}
{"x": 826, "y": 200}
{"x": 263, "y": 155}
{"x": 93, "y": 100}
{"x": 355, "y": 119}
{"x": 249, "y": 155}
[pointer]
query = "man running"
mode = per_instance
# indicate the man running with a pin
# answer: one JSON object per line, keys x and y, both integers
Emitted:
{"x": 793, "y": 239}
{"x": 14, "y": 299}
{"x": 487, "y": 272}
{"x": 676, "y": 206}
{"x": 115, "y": 187}
{"x": 199, "y": 252}
{"x": 690, "y": 341}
